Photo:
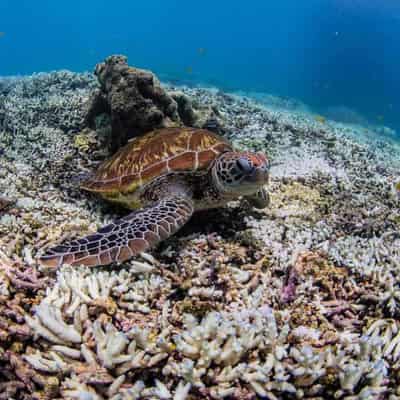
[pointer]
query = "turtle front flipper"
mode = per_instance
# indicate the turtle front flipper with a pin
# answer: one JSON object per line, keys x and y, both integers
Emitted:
{"x": 260, "y": 199}
{"x": 126, "y": 237}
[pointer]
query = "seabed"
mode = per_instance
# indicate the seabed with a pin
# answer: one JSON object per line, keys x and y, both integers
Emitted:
{"x": 297, "y": 301}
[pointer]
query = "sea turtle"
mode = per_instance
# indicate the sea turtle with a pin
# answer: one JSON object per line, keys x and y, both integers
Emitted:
{"x": 165, "y": 175}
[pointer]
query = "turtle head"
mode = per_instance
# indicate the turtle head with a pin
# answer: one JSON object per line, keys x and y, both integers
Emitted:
{"x": 241, "y": 173}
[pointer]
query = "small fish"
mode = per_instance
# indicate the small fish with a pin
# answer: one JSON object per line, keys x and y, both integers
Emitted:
{"x": 320, "y": 118}
{"x": 189, "y": 70}
{"x": 2, "y": 34}
{"x": 201, "y": 50}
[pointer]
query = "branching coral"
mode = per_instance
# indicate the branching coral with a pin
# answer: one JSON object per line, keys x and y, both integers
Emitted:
{"x": 223, "y": 349}
{"x": 297, "y": 301}
{"x": 53, "y": 100}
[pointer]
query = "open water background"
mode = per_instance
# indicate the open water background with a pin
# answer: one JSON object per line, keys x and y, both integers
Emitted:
{"x": 326, "y": 53}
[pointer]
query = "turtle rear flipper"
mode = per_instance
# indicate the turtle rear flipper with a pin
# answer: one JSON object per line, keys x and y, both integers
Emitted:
{"x": 126, "y": 237}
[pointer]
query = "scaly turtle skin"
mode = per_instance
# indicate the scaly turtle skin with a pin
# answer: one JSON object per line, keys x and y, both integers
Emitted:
{"x": 165, "y": 175}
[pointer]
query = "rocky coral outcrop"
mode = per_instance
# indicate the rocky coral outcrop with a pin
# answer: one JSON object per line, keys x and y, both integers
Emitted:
{"x": 185, "y": 108}
{"x": 133, "y": 102}
{"x": 132, "y": 98}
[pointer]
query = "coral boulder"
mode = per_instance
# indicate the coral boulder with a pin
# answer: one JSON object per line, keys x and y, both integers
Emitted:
{"x": 133, "y": 99}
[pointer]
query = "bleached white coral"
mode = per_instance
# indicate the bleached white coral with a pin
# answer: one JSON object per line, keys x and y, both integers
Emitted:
{"x": 82, "y": 286}
{"x": 49, "y": 323}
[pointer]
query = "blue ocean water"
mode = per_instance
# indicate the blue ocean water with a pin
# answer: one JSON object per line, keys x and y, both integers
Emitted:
{"x": 326, "y": 53}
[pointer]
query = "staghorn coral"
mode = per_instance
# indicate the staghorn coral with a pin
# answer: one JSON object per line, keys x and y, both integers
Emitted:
{"x": 248, "y": 348}
{"x": 207, "y": 354}
{"x": 331, "y": 280}
{"x": 20, "y": 288}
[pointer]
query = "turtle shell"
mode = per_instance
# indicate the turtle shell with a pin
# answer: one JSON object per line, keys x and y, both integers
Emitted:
{"x": 154, "y": 154}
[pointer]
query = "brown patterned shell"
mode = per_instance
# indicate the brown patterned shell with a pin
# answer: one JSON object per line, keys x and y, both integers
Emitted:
{"x": 154, "y": 154}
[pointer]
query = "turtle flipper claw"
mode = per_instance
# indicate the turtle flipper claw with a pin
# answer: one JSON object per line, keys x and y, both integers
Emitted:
{"x": 124, "y": 238}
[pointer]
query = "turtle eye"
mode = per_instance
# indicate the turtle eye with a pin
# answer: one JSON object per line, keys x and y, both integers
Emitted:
{"x": 244, "y": 166}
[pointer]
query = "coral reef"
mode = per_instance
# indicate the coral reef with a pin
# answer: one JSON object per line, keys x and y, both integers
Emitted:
{"x": 299, "y": 300}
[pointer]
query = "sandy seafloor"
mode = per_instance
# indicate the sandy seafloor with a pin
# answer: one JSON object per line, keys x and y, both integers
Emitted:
{"x": 299, "y": 300}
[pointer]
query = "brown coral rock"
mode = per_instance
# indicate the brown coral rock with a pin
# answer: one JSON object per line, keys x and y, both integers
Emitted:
{"x": 134, "y": 100}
